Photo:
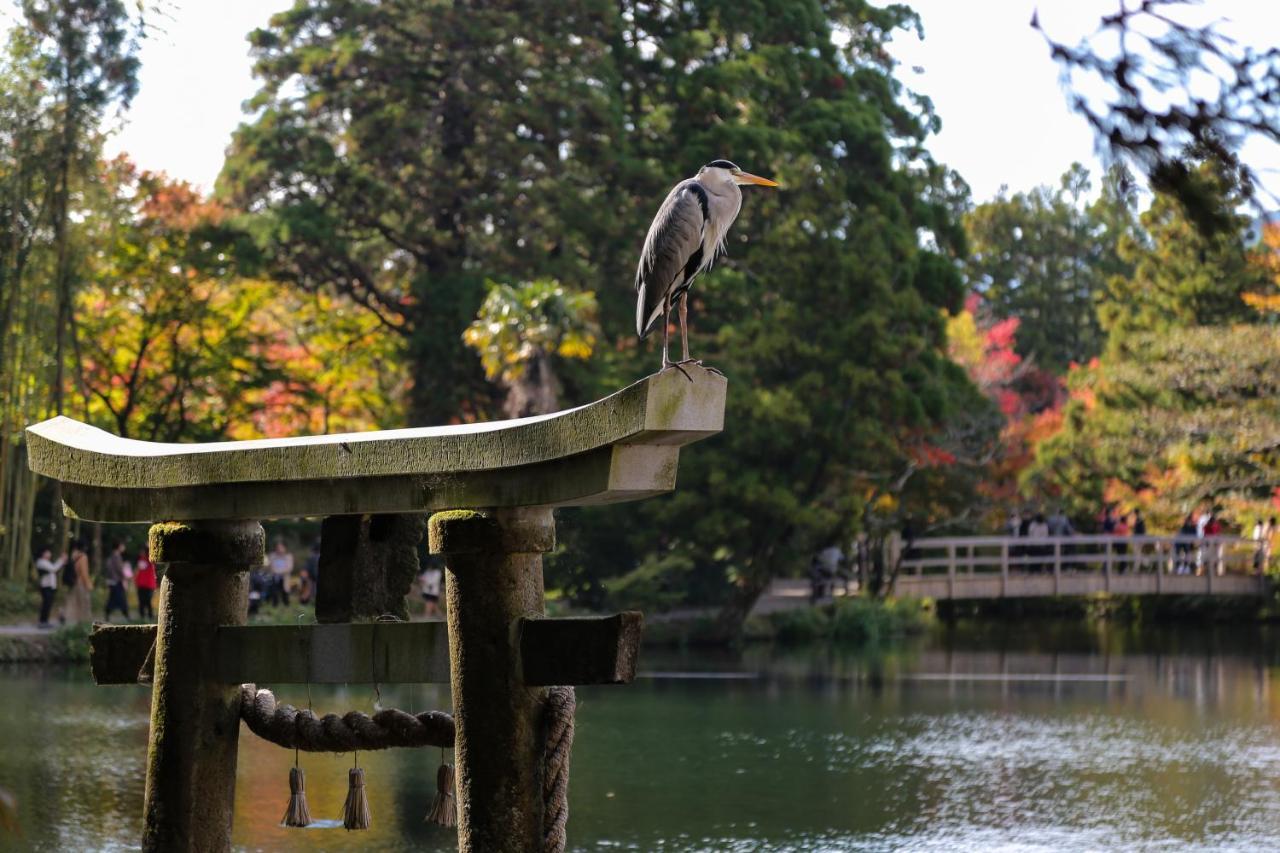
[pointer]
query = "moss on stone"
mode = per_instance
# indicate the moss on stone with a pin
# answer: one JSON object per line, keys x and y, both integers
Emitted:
{"x": 461, "y": 531}
{"x": 515, "y": 530}
{"x": 220, "y": 543}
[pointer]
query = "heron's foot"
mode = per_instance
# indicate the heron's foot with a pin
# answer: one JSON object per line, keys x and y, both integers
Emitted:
{"x": 697, "y": 362}
{"x": 677, "y": 366}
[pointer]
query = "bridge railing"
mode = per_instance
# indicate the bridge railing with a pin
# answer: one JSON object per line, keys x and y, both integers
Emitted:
{"x": 1104, "y": 553}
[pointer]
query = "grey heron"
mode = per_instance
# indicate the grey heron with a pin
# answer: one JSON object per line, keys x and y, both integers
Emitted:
{"x": 686, "y": 237}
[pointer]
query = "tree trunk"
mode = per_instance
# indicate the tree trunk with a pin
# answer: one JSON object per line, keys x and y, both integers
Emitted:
{"x": 733, "y": 615}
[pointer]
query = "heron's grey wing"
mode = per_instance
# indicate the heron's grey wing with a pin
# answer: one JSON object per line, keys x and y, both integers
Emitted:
{"x": 674, "y": 238}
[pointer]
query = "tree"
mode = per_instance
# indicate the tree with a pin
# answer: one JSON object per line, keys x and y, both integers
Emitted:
{"x": 519, "y": 333}
{"x": 403, "y": 153}
{"x": 27, "y": 306}
{"x": 1186, "y": 416}
{"x": 89, "y": 51}
{"x": 1181, "y": 275}
{"x": 1026, "y": 396}
{"x": 67, "y": 64}
{"x": 1044, "y": 257}
{"x": 1180, "y": 407}
{"x": 827, "y": 314}
{"x": 177, "y": 346}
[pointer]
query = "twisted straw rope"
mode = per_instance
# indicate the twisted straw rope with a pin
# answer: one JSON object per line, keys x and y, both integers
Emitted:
{"x": 286, "y": 726}
{"x": 557, "y": 745}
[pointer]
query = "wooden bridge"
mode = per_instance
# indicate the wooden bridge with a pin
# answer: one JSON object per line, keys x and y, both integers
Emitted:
{"x": 1007, "y": 567}
{"x": 985, "y": 567}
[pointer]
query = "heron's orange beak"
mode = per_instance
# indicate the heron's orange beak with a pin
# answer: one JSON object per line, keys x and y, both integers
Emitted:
{"x": 748, "y": 178}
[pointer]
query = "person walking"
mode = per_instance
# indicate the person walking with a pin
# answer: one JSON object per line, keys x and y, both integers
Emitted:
{"x": 1108, "y": 519}
{"x": 1059, "y": 524}
{"x": 1011, "y": 523}
{"x": 48, "y": 568}
{"x": 1212, "y": 530}
{"x": 144, "y": 580}
{"x": 1039, "y": 529}
{"x": 1120, "y": 529}
{"x": 281, "y": 562}
{"x": 310, "y": 575}
{"x": 832, "y": 559}
{"x": 1187, "y": 534}
{"x": 79, "y": 606}
{"x": 1273, "y": 539}
{"x": 430, "y": 582}
{"x": 1138, "y": 527}
{"x": 115, "y": 575}
{"x": 1259, "y": 538}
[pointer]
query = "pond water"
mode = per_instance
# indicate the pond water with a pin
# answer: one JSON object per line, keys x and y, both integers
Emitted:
{"x": 1009, "y": 738}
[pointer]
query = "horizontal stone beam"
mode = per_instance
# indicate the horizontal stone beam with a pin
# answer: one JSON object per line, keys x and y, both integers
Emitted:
{"x": 588, "y": 650}
{"x": 350, "y": 653}
{"x": 119, "y": 653}
{"x": 623, "y": 447}
{"x": 583, "y": 650}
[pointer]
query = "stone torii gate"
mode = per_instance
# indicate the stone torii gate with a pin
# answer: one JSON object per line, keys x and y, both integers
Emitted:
{"x": 492, "y": 488}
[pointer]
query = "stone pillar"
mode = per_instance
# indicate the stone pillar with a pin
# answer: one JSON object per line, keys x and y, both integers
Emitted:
{"x": 367, "y": 565}
{"x": 493, "y": 578}
{"x": 195, "y": 720}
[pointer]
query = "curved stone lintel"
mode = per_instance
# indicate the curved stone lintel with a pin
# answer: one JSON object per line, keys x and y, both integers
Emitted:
{"x": 623, "y": 447}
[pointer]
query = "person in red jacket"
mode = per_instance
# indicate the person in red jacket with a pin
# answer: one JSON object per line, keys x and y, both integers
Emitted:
{"x": 144, "y": 578}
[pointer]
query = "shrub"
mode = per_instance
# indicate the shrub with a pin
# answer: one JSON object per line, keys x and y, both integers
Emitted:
{"x": 801, "y": 625}
{"x": 70, "y": 643}
{"x": 855, "y": 621}
{"x": 18, "y": 599}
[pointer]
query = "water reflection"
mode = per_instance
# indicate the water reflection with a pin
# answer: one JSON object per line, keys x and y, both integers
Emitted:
{"x": 975, "y": 738}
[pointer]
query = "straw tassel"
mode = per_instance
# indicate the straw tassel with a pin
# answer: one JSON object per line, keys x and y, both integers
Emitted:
{"x": 298, "y": 814}
{"x": 444, "y": 811}
{"x": 355, "y": 813}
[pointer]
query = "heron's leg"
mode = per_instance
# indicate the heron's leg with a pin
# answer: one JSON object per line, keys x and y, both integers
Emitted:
{"x": 666, "y": 338}
{"x": 684, "y": 336}
{"x": 666, "y": 331}
{"x": 684, "y": 328}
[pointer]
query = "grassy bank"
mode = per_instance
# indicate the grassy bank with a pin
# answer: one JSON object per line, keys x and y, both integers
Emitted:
{"x": 851, "y": 621}
{"x": 1125, "y": 608}
{"x": 69, "y": 644}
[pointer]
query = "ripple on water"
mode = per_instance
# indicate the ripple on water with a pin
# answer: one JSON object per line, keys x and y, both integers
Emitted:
{"x": 989, "y": 781}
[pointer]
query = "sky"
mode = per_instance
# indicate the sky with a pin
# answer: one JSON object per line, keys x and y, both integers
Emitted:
{"x": 1005, "y": 120}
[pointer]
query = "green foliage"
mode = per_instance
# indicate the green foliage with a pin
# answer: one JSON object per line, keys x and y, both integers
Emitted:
{"x": 66, "y": 64}
{"x": 1182, "y": 408}
{"x": 18, "y": 600}
{"x": 70, "y": 643}
{"x": 1045, "y": 257}
{"x": 406, "y": 152}
{"x": 662, "y": 582}
{"x": 521, "y": 330}
{"x": 89, "y": 49}
{"x": 852, "y": 621}
{"x": 827, "y": 315}
{"x": 1172, "y": 419}
{"x": 1181, "y": 275}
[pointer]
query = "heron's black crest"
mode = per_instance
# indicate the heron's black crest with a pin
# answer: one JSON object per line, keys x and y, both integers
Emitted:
{"x": 720, "y": 164}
